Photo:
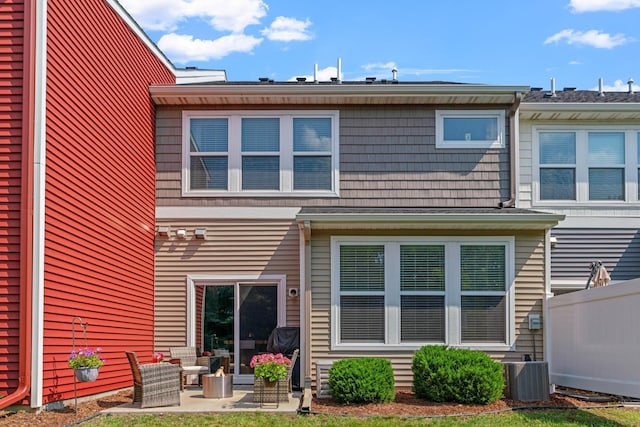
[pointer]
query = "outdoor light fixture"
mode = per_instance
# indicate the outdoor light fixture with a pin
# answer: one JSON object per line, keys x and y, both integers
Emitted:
{"x": 181, "y": 233}
{"x": 200, "y": 233}
{"x": 553, "y": 240}
{"x": 163, "y": 231}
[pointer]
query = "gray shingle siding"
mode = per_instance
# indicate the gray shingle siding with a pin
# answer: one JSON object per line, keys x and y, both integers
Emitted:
{"x": 388, "y": 158}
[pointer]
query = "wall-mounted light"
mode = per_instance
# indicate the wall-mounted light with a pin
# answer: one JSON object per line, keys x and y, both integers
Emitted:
{"x": 200, "y": 233}
{"x": 181, "y": 233}
{"x": 163, "y": 231}
{"x": 553, "y": 240}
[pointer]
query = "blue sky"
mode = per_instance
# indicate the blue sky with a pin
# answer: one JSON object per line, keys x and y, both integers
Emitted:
{"x": 506, "y": 42}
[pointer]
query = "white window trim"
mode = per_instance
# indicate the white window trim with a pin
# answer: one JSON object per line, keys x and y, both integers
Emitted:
{"x": 582, "y": 166}
{"x": 234, "y": 153}
{"x": 497, "y": 114}
{"x": 452, "y": 292}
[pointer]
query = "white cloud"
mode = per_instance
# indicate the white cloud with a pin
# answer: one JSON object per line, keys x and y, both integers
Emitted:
{"x": 580, "y": 6}
{"x": 380, "y": 66}
{"x": 593, "y": 38}
{"x": 575, "y": 63}
{"x": 288, "y": 29}
{"x": 618, "y": 86}
{"x": 185, "y": 48}
{"x": 223, "y": 15}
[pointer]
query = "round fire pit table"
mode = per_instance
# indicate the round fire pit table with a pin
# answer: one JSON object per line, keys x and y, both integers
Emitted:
{"x": 217, "y": 387}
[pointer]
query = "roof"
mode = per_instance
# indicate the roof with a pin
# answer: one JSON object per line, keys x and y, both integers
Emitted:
{"x": 433, "y": 218}
{"x": 267, "y": 92}
{"x": 570, "y": 104}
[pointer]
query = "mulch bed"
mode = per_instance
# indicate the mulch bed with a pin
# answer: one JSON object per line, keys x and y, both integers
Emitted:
{"x": 408, "y": 405}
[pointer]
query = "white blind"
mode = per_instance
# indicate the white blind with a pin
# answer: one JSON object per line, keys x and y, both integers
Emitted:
{"x": 312, "y": 134}
{"x": 422, "y": 267}
{"x": 483, "y": 319}
{"x": 362, "y": 268}
{"x": 362, "y": 318}
{"x": 482, "y": 267}
{"x": 558, "y": 184}
{"x": 260, "y": 173}
{"x": 557, "y": 148}
{"x": 606, "y": 184}
{"x": 606, "y": 148}
{"x": 312, "y": 173}
{"x": 209, "y": 172}
{"x": 422, "y": 318}
{"x": 209, "y": 135}
{"x": 261, "y": 134}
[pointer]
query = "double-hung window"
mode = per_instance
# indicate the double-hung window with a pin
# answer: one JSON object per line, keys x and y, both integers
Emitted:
{"x": 406, "y": 292}
{"x": 260, "y": 153}
{"x": 586, "y": 166}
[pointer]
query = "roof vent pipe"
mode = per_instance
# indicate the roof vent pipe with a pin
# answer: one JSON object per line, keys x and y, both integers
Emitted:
{"x": 339, "y": 70}
{"x": 553, "y": 86}
{"x": 394, "y": 72}
{"x": 630, "y": 83}
{"x": 600, "y": 87}
{"x": 315, "y": 73}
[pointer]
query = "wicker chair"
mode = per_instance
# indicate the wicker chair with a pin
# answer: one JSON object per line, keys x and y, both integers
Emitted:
{"x": 189, "y": 361}
{"x": 154, "y": 384}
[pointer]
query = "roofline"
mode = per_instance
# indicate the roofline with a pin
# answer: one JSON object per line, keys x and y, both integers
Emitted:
{"x": 338, "y": 90}
{"x": 128, "y": 19}
{"x": 578, "y": 106}
{"x": 506, "y": 221}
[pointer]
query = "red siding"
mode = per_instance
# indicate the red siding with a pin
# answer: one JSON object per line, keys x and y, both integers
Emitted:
{"x": 11, "y": 69}
{"x": 100, "y": 207}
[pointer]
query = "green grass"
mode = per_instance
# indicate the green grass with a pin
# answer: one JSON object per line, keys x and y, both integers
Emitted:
{"x": 564, "y": 417}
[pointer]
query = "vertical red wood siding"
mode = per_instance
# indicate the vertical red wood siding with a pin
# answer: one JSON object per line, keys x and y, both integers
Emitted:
{"x": 11, "y": 71}
{"x": 100, "y": 200}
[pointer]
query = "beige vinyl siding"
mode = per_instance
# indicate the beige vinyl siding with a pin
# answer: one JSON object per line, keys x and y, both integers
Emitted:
{"x": 232, "y": 247}
{"x": 529, "y": 270}
{"x": 388, "y": 158}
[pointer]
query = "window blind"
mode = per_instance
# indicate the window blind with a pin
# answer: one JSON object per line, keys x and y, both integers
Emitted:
{"x": 483, "y": 319}
{"x": 209, "y": 172}
{"x": 209, "y": 135}
{"x": 312, "y": 173}
{"x": 362, "y": 318}
{"x": 557, "y": 148}
{"x": 482, "y": 268}
{"x": 261, "y": 134}
{"x": 362, "y": 268}
{"x": 260, "y": 173}
{"x": 312, "y": 134}
{"x": 422, "y": 267}
{"x": 422, "y": 318}
{"x": 606, "y": 184}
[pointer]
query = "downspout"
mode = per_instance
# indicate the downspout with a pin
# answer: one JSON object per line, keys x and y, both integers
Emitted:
{"x": 514, "y": 130}
{"x": 305, "y": 309}
{"x": 26, "y": 207}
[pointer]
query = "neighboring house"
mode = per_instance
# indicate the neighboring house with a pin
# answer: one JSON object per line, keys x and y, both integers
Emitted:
{"x": 77, "y": 205}
{"x": 580, "y": 157}
{"x": 368, "y": 214}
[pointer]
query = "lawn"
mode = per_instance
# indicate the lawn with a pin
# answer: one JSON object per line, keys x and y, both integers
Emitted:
{"x": 559, "y": 417}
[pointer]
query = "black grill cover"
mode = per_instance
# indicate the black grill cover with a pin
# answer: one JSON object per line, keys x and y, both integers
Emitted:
{"x": 284, "y": 340}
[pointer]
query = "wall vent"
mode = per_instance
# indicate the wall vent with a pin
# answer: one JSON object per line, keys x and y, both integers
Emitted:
{"x": 526, "y": 381}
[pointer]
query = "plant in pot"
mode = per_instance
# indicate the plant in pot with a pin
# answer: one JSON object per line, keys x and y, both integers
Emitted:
{"x": 85, "y": 363}
{"x": 270, "y": 367}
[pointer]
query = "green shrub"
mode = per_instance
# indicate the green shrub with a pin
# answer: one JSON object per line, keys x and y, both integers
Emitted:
{"x": 443, "y": 374}
{"x": 362, "y": 380}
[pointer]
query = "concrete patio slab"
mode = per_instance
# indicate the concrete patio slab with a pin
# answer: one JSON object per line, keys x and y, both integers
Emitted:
{"x": 192, "y": 400}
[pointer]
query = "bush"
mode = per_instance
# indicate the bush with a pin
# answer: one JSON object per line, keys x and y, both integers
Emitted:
{"x": 443, "y": 374}
{"x": 362, "y": 380}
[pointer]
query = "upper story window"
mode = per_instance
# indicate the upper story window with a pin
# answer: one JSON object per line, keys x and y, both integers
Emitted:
{"x": 260, "y": 153}
{"x": 405, "y": 292}
{"x": 586, "y": 166}
{"x": 470, "y": 129}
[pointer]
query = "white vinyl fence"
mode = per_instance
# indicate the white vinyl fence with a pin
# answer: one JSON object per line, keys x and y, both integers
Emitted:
{"x": 594, "y": 339}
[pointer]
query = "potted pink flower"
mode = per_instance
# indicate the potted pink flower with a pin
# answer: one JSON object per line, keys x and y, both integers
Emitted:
{"x": 270, "y": 367}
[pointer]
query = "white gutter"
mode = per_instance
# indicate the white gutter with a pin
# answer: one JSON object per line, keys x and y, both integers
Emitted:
{"x": 39, "y": 175}
{"x": 446, "y": 218}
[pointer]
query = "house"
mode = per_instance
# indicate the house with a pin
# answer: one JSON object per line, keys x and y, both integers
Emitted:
{"x": 579, "y": 156}
{"x": 77, "y": 209}
{"x": 374, "y": 216}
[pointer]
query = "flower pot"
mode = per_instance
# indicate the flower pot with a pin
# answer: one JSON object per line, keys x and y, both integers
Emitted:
{"x": 86, "y": 374}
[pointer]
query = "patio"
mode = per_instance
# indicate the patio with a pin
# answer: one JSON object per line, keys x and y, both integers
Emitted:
{"x": 192, "y": 400}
